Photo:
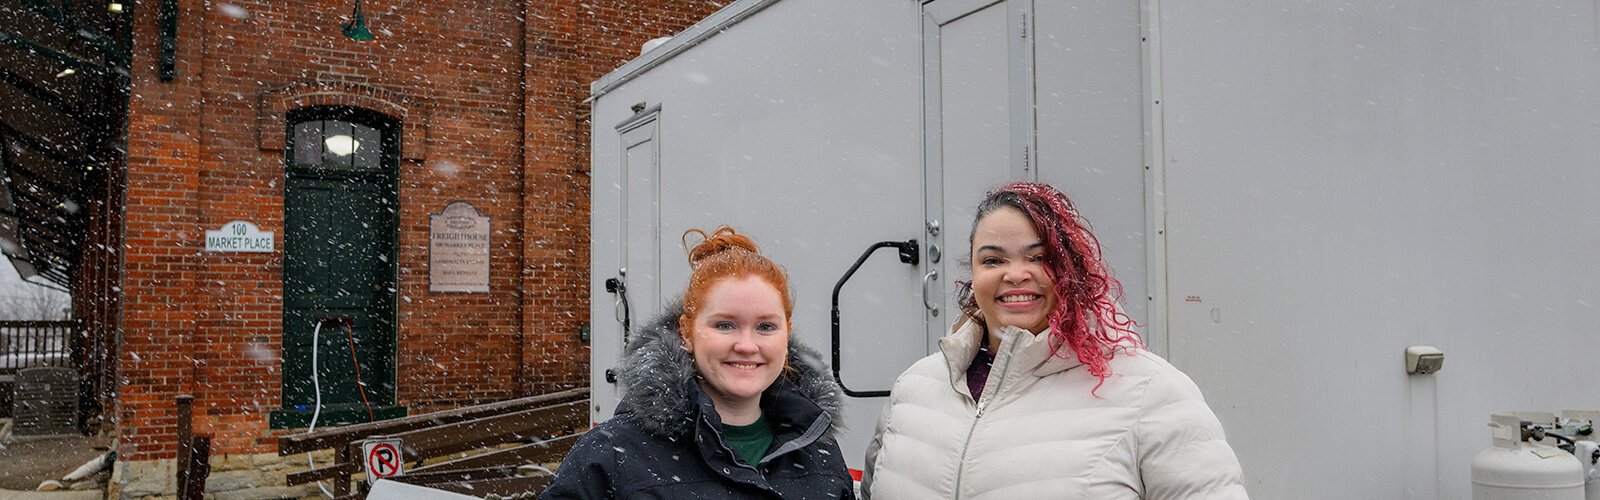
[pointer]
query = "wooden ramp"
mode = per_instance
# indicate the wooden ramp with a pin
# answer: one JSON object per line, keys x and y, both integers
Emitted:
{"x": 496, "y": 446}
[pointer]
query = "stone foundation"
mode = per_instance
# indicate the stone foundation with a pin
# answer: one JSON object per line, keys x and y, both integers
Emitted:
{"x": 233, "y": 477}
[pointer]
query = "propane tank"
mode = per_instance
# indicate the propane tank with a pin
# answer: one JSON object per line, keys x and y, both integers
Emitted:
{"x": 1515, "y": 469}
{"x": 1582, "y": 423}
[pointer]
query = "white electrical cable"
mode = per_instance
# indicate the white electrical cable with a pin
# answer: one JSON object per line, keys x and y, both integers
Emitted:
{"x": 316, "y": 388}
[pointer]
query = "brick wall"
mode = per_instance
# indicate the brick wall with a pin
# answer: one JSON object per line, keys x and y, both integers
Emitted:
{"x": 159, "y": 255}
{"x": 592, "y": 38}
{"x": 491, "y": 95}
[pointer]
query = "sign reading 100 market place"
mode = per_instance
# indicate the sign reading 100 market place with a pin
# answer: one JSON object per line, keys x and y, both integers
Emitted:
{"x": 458, "y": 250}
{"x": 239, "y": 236}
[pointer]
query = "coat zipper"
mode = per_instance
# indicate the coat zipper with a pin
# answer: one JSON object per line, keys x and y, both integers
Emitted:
{"x": 983, "y": 402}
{"x": 722, "y": 443}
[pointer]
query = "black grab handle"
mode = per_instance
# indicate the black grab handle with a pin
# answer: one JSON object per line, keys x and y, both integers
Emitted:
{"x": 620, "y": 288}
{"x": 909, "y": 253}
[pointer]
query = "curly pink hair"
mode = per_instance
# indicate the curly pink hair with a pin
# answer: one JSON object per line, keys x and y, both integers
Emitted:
{"x": 1086, "y": 317}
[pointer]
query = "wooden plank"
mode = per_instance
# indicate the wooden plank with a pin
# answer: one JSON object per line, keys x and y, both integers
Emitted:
{"x": 532, "y": 453}
{"x": 338, "y": 436}
{"x": 477, "y": 474}
{"x": 519, "y": 426}
{"x": 505, "y": 486}
{"x": 337, "y": 470}
{"x": 333, "y": 437}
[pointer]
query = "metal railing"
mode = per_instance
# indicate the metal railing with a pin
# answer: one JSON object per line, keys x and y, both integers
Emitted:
{"x": 475, "y": 438}
{"x": 27, "y": 344}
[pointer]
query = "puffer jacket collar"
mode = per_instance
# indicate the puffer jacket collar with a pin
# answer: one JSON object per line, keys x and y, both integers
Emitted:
{"x": 1020, "y": 352}
{"x": 664, "y": 399}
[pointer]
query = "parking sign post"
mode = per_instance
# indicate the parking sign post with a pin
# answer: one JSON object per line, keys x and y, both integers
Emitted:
{"x": 383, "y": 458}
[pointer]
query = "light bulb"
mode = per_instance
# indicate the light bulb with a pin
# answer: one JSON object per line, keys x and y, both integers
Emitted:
{"x": 342, "y": 145}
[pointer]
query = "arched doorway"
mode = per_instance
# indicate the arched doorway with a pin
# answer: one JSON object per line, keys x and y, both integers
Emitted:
{"x": 341, "y": 209}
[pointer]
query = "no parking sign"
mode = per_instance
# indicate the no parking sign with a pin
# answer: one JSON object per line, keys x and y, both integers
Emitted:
{"x": 383, "y": 458}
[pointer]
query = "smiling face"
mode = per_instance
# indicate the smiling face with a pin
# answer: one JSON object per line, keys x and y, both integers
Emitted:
{"x": 740, "y": 340}
{"x": 1009, "y": 281}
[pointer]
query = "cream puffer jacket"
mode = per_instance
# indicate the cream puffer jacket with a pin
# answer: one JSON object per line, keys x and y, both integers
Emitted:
{"x": 1038, "y": 432}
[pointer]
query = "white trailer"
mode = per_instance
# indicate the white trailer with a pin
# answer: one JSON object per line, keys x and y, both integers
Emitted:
{"x": 1291, "y": 193}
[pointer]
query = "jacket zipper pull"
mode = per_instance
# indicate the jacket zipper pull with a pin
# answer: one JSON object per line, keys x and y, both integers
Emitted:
{"x": 981, "y": 405}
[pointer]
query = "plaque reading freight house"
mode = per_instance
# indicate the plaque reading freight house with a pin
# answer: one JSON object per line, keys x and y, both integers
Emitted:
{"x": 458, "y": 250}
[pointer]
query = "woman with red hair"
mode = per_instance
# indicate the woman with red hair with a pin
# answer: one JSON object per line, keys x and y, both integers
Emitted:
{"x": 1043, "y": 389}
{"x": 719, "y": 401}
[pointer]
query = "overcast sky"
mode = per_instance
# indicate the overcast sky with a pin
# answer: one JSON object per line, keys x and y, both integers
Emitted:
{"x": 12, "y": 284}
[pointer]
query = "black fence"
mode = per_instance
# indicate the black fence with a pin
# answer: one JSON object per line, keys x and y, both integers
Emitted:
{"x": 27, "y": 344}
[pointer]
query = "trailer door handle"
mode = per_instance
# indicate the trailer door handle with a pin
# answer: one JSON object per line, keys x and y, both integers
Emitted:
{"x": 909, "y": 255}
{"x": 931, "y": 277}
{"x": 619, "y": 287}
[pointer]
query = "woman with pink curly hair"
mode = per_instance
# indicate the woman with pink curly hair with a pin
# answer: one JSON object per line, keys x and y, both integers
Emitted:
{"x": 1043, "y": 389}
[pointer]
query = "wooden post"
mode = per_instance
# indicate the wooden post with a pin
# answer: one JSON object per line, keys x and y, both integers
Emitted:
{"x": 343, "y": 455}
{"x": 75, "y": 338}
{"x": 192, "y": 479}
{"x": 185, "y": 438}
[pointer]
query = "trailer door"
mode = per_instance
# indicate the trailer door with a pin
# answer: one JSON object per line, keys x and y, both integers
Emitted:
{"x": 635, "y": 285}
{"x": 641, "y": 211}
{"x": 978, "y": 125}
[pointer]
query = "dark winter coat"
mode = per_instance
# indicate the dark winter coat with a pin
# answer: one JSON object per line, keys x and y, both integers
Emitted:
{"x": 666, "y": 438}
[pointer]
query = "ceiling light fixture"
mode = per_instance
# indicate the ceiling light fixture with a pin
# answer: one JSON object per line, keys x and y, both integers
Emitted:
{"x": 341, "y": 145}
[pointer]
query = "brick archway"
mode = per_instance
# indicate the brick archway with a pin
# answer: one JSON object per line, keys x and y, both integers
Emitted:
{"x": 413, "y": 113}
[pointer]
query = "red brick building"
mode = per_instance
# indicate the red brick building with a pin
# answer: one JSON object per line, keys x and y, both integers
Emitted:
{"x": 263, "y": 111}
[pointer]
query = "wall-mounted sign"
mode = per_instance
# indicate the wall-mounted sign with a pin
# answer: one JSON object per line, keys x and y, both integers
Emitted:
{"x": 239, "y": 236}
{"x": 458, "y": 250}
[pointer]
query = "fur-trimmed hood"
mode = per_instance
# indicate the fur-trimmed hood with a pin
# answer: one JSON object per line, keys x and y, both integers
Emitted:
{"x": 660, "y": 392}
